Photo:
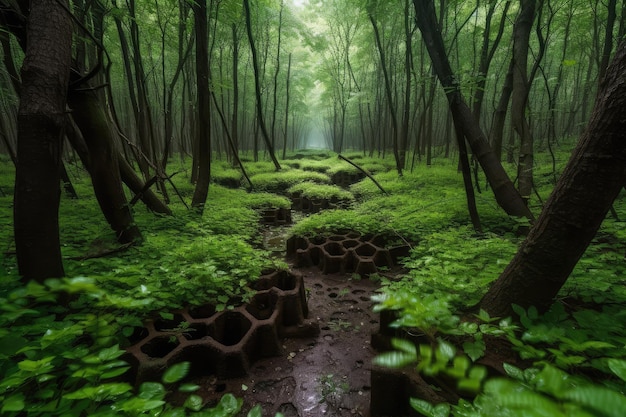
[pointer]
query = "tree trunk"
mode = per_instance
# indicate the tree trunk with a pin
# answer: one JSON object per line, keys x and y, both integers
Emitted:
{"x": 506, "y": 195}
{"x": 257, "y": 86}
{"x": 521, "y": 88}
{"x": 392, "y": 109}
{"x": 576, "y": 208}
{"x": 41, "y": 117}
{"x": 496, "y": 133}
{"x": 103, "y": 163}
{"x": 203, "y": 129}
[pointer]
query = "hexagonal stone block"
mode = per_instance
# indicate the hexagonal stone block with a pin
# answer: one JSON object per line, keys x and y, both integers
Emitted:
{"x": 229, "y": 328}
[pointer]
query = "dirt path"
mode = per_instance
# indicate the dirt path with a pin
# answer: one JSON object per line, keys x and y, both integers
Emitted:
{"x": 328, "y": 375}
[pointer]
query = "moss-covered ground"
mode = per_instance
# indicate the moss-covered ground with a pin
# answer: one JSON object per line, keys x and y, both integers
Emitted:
{"x": 190, "y": 259}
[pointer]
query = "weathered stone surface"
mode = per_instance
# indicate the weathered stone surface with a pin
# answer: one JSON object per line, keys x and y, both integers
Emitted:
{"x": 224, "y": 343}
{"x": 346, "y": 253}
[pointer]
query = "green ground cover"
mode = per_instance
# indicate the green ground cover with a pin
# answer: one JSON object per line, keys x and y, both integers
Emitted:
{"x": 186, "y": 259}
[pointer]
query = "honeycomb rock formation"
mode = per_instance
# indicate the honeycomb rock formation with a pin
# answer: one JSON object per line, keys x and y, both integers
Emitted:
{"x": 276, "y": 216}
{"x": 345, "y": 178}
{"x": 346, "y": 253}
{"x": 224, "y": 343}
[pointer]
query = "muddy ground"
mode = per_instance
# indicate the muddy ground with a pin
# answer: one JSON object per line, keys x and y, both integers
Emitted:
{"x": 326, "y": 375}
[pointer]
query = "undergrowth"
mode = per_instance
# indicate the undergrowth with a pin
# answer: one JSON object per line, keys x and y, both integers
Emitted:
{"x": 573, "y": 356}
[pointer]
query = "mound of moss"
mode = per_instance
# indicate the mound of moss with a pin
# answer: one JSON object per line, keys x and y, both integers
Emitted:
{"x": 279, "y": 182}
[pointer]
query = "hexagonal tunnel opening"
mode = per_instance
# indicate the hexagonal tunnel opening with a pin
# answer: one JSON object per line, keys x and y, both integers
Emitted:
{"x": 334, "y": 249}
{"x": 202, "y": 359}
{"x": 229, "y": 328}
{"x": 350, "y": 243}
{"x": 160, "y": 346}
{"x": 165, "y": 325}
{"x": 262, "y": 305}
{"x": 285, "y": 281}
{"x": 317, "y": 240}
{"x": 202, "y": 312}
{"x": 365, "y": 250}
{"x": 137, "y": 335}
{"x": 195, "y": 331}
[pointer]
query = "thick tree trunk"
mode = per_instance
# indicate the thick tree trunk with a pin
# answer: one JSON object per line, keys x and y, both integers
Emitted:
{"x": 41, "y": 117}
{"x": 579, "y": 203}
{"x": 506, "y": 195}
{"x": 103, "y": 163}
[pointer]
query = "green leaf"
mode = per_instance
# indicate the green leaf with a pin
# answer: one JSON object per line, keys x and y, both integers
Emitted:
{"x": 167, "y": 316}
{"x": 445, "y": 351}
{"x": 475, "y": 350}
{"x": 404, "y": 346}
{"x": 151, "y": 391}
{"x": 230, "y": 404}
{"x": 13, "y": 403}
{"x": 115, "y": 372}
{"x": 175, "y": 373}
{"x": 255, "y": 411}
{"x": 604, "y": 400}
{"x": 188, "y": 388}
{"x": 395, "y": 359}
{"x": 110, "y": 353}
{"x": 618, "y": 367}
{"x": 193, "y": 402}
{"x": 513, "y": 372}
{"x": 429, "y": 410}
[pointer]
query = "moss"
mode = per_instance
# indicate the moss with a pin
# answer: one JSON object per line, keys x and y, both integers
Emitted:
{"x": 315, "y": 191}
{"x": 279, "y": 182}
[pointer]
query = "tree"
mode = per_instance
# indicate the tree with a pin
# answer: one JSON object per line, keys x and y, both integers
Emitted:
{"x": 521, "y": 89}
{"x": 41, "y": 118}
{"x": 203, "y": 130}
{"x": 593, "y": 177}
{"x": 257, "y": 86}
{"x": 508, "y": 198}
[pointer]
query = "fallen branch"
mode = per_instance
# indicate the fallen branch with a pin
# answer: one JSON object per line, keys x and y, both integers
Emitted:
{"x": 367, "y": 174}
{"x": 103, "y": 253}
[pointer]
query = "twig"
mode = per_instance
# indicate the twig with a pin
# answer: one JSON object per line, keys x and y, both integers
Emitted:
{"x": 103, "y": 253}
{"x": 367, "y": 174}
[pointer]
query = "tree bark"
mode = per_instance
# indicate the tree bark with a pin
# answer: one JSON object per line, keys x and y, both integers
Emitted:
{"x": 593, "y": 177}
{"x": 41, "y": 117}
{"x": 519, "y": 103}
{"x": 103, "y": 165}
{"x": 506, "y": 195}
{"x": 257, "y": 86}
{"x": 203, "y": 129}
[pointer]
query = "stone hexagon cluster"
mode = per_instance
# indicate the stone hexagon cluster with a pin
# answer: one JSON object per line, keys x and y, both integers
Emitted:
{"x": 276, "y": 216}
{"x": 345, "y": 253}
{"x": 224, "y": 343}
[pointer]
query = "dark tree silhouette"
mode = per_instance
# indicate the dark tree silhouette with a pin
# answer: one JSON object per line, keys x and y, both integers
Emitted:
{"x": 41, "y": 117}
{"x": 506, "y": 195}
{"x": 593, "y": 177}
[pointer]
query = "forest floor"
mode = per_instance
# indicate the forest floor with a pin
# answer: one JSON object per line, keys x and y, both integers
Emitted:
{"x": 326, "y": 375}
